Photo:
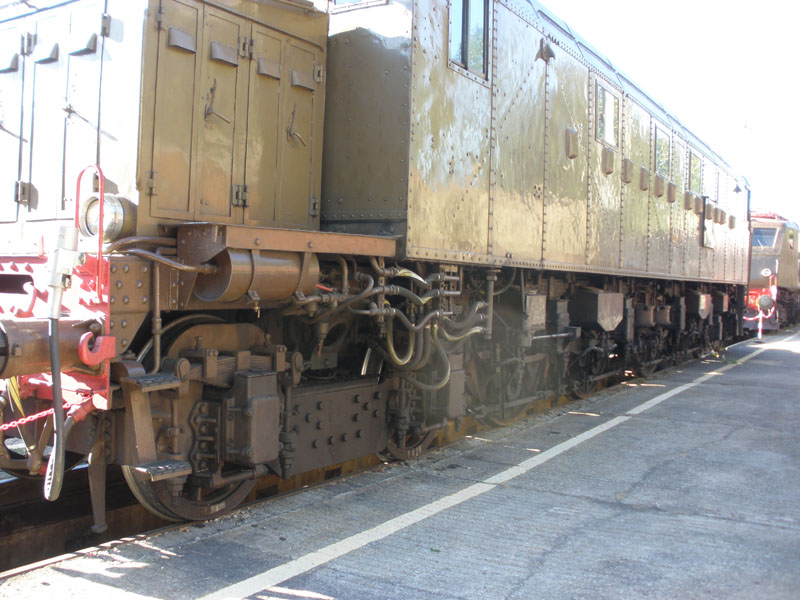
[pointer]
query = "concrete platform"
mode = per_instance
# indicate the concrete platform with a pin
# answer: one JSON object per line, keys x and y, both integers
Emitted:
{"x": 680, "y": 486}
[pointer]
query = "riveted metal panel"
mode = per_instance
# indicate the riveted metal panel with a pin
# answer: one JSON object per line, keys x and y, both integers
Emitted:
{"x": 84, "y": 63}
{"x": 693, "y": 231}
{"x": 566, "y": 180}
{"x": 48, "y": 83}
{"x": 635, "y": 208}
{"x": 302, "y": 116}
{"x": 678, "y": 235}
{"x": 518, "y": 156}
{"x": 709, "y": 252}
{"x": 605, "y": 165}
{"x": 176, "y": 96}
{"x": 13, "y": 140}
{"x": 658, "y": 238}
{"x": 222, "y": 116}
{"x": 263, "y": 119}
{"x": 365, "y": 171}
{"x": 448, "y": 205}
{"x": 120, "y": 114}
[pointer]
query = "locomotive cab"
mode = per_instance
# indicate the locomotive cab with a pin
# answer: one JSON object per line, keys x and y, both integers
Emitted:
{"x": 774, "y": 291}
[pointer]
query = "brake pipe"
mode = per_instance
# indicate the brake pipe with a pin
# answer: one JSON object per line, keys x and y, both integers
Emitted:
{"x": 64, "y": 260}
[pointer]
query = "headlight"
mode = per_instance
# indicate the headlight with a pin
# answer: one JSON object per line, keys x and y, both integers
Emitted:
{"x": 119, "y": 217}
{"x": 765, "y": 302}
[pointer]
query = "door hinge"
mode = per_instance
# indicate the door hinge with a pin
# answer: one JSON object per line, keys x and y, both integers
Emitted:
{"x": 159, "y": 17}
{"x": 151, "y": 183}
{"x": 105, "y": 25}
{"x": 28, "y": 43}
{"x": 22, "y": 193}
{"x": 319, "y": 72}
{"x": 239, "y": 196}
{"x": 313, "y": 206}
{"x": 243, "y": 45}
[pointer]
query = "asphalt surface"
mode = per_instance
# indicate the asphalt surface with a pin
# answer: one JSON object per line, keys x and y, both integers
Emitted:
{"x": 684, "y": 485}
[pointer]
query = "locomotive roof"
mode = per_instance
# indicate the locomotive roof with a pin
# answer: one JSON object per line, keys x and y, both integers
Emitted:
{"x": 571, "y": 41}
{"x": 17, "y": 8}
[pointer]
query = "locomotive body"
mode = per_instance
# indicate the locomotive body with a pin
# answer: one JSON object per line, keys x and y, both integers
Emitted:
{"x": 774, "y": 289}
{"x": 531, "y": 152}
{"x": 496, "y": 217}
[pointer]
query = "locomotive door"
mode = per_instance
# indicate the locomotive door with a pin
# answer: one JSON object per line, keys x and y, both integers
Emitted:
{"x": 170, "y": 173}
{"x": 518, "y": 156}
{"x": 263, "y": 120}
{"x": 222, "y": 132}
{"x": 49, "y": 82}
{"x": 83, "y": 131}
{"x": 12, "y": 139}
{"x": 297, "y": 129}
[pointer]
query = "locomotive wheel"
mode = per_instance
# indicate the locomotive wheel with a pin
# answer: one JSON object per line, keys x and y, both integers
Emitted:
{"x": 415, "y": 445}
{"x": 192, "y": 504}
{"x": 493, "y": 391}
{"x": 584, "y": 369}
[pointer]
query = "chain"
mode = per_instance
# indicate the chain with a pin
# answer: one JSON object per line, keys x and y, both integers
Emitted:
{"x": 31, "y": 418}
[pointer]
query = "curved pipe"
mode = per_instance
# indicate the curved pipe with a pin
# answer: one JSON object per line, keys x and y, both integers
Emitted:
{"x": 206, "y": 269}
{"x": 457, "y": 338}
{"x": 357, "y": 298}
{"x": 141, "y": 239}
{"x": 440, "y": 351}
{"x": 508, "y": 285}
{"x": 396, "y": 359}
{"x": 468, "y": 321}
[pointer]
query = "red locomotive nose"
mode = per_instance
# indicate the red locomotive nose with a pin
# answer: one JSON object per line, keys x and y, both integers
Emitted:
{"x": 753, "y": 294}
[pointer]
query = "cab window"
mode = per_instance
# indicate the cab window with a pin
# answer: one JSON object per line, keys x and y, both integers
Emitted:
{"x": 764, "y": 237}
{"x": 695, "y": 173}
{"x": 607, "y": 117}
{"x": 662, "y": 152}
{"x": 469, "y": 33}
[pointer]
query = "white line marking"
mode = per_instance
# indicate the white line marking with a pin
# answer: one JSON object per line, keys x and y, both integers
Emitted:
{"x": 310, "y": 561}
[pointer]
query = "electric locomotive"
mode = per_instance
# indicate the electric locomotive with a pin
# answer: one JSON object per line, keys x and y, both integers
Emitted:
{"x": 199, "y": 289}
{"x": 773, "y": 297}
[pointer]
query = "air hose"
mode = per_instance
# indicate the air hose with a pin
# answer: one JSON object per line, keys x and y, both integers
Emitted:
{"x": 54, "y": 476}
{"x": 65, "y": 258}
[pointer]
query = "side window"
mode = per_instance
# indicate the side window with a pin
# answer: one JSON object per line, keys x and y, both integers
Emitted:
{"x": 607, "y": 117}
{"x": 662, "y": 152}
{"x": 469, "y": 33}
{"x": 695, "y": 173}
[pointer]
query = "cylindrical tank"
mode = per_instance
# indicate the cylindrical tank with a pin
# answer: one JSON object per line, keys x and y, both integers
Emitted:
{"x": 25, "y": 346}
{"x": 261, "y": 274}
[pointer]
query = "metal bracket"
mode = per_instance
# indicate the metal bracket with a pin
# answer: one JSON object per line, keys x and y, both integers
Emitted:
{"x": 105, "y": 25}
{"x": 22, "y": 193}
